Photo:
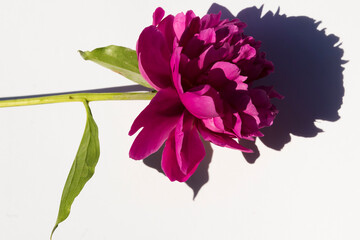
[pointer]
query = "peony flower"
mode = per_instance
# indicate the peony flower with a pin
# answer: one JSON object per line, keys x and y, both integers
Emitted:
{"x": 203, "y": 69}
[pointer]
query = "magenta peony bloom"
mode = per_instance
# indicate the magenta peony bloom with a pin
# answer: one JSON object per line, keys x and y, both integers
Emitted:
{"x": 202, "y": 69}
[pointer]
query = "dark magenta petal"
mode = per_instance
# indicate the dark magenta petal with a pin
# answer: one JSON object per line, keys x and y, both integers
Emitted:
{"x": 175, "y": 65}
{"x": 158, "y": 15}
{"x": 157, "y": 120}
{"x": 186, "y": 140}
{"x": 211, "y": 55}
{"x": 189, "y": 16}
{"x": 267, "y": 116}
{"x": 210, "y": 20}
{"x": 224, "y": 73}
{"x": 250, "y": 125}
{"x": 201, "y": 63}
{"x": 169, "y": 162}
{"x": 166, "y": 28}
{"x": 260, "y": 98}
{"x": 221, "y": 140}
{"x": 225, "y": 33}
{"x": 203, "y": 102}
{"x": 154, "y": 57}
{"x": 271, "y": 92}
{"x": 253, "y": 67}
{"x": 238, "y": 100}
{"x": 194, "y": 47}
{"x": 197, "y": 44}
{"x": 179, "y": 159}
{"x": 190, "y": 31}
{"x": 170, "y": 165}
{"x": 237, "y": 125}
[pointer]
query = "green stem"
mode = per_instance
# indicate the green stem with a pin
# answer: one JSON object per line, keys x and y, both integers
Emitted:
{"x": 77, "y": 97}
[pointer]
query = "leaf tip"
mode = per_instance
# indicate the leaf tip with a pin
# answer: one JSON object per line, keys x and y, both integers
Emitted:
{"x": 83, "y": 54}
{"x": 52, "y": 232}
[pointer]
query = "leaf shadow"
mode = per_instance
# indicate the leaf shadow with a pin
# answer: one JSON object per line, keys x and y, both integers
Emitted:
{"x": 308, "y": 72}
{"x": 198, "y": 179}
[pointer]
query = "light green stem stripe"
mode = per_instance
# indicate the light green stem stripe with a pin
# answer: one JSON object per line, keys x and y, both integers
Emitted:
{"x": 77, "y": 97}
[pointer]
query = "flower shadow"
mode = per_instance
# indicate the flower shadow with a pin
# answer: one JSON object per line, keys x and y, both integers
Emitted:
{"x": 308, "y": 72}
{"x": 198, "y": 179}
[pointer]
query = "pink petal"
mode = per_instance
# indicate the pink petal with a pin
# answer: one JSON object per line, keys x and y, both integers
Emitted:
{"x": 237, "y": 125}
{"x": 252, "y": 111}
{"x": 221, "y": 140}
{"x": 158, "y": 15}
{"x": 169, "y": 162}
{"x": 236, "y": 22}
{"x": 187, "y": 139}
{"x": 246, "y": 52}
{"x": 240, "y": 85}
{"x": 208, "y": 36}
{"x": 180, "y": 160}
{"x": 203, "y": 102}
{"x": 154, "y": 56}
{"x": 214, "y": 124}
{"x": 181, "y": 21}
{"x": 157, "y": 120}
{"x": 179, "y": 24}
{"x": 231, "y": 71}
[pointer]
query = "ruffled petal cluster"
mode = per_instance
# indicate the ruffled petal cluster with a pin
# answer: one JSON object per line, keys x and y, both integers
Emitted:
{"x": 203, "y": 69}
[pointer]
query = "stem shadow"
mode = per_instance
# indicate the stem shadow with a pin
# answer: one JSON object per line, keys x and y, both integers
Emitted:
{"x": 130, "y": 88}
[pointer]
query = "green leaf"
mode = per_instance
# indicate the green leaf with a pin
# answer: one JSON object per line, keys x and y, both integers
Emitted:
{"x": 119, "y": 59}
{"x": 82, "y": 168}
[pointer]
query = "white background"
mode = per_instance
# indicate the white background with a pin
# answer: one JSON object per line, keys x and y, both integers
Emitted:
{"x": 308, "y": 190}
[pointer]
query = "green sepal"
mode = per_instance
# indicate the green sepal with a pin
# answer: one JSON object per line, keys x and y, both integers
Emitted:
{"x": 118, "y": 59}
{"x": 82, "y": 168}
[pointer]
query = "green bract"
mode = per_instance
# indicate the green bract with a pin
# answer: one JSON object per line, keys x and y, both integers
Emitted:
{"x": 118, "y": 59}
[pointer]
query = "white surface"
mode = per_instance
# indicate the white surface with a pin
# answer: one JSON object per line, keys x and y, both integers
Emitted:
{"x": 308, "y": 190}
